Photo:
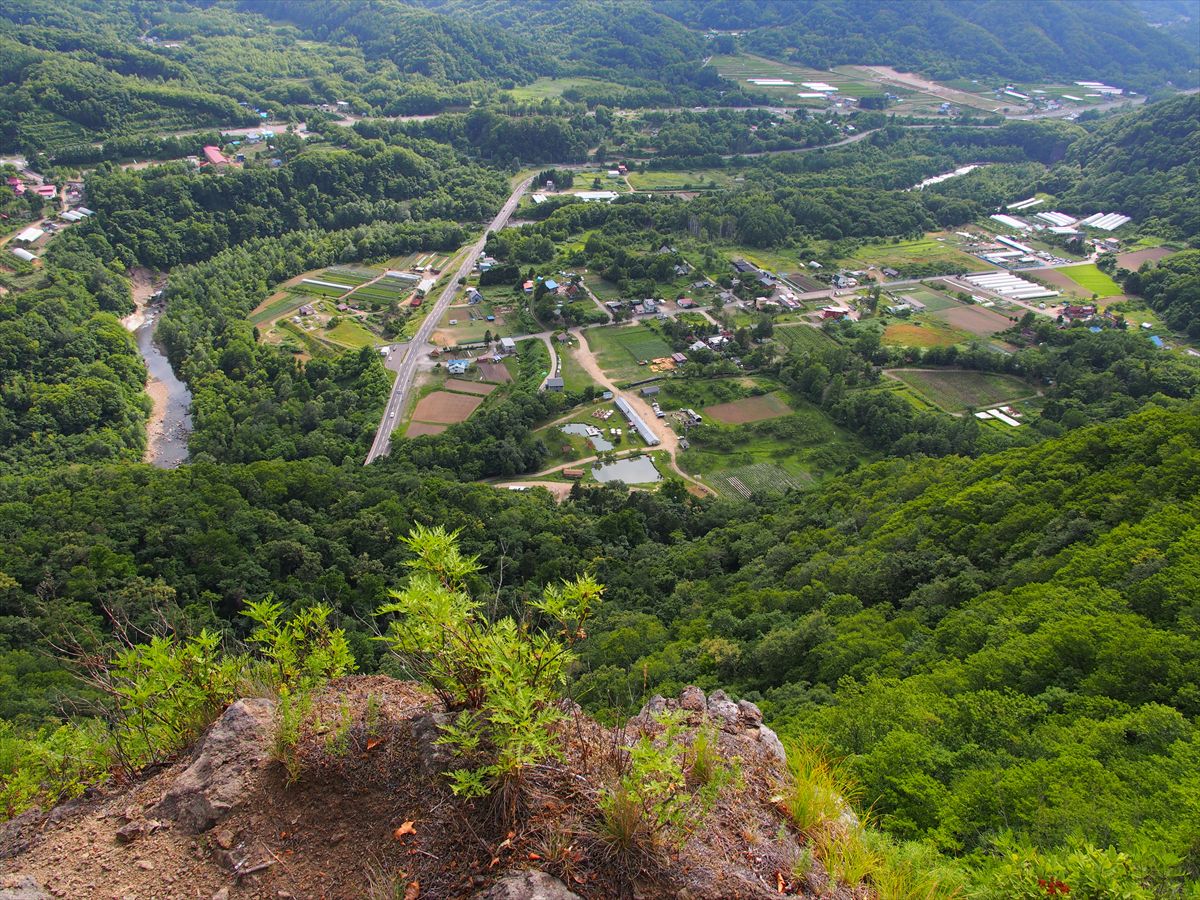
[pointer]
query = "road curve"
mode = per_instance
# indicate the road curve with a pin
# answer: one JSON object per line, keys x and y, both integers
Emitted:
{"x": 394, "y": 410}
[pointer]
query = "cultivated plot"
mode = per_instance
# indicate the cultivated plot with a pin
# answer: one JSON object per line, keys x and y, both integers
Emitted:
{"x": 973, "y": 319}
{"x": 445, "y": 408}
{"x": 749, "y": 409}
{"x": 759, "y": 478}
{"x": 953, "y": 390}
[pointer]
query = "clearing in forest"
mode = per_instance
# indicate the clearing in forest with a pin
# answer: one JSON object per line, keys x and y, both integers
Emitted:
{"x": 953, "y": 390}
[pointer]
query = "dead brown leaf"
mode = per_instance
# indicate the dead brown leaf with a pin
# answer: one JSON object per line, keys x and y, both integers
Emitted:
{"x": 413, "y": 891}
{"x": 407, "y": 828}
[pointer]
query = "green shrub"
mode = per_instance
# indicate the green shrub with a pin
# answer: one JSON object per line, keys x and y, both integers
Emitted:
{"x": 502, "y": 677}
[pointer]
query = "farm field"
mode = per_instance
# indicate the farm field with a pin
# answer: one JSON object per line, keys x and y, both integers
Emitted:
{"x": 1092, "y": 280}
{"x": 496, "y": 373}
{"x": 349, "y": 333}
{"x": 544, "y": 88}
{"x": 953, "y": 390}
{"x": 1134, "y": 259}
{"x": 277, "y": 305}
{"x": 619, "y": 349}
{"x": 469, "y": 387}
{"x": 445, "y": 408}
{"x": 803, "y": 445}
{"x": 975, "y": 319}
{"x": 749, "y": 409}
{"x": 742, "y": 67}
{"x": 1056, "y": 280}
{"x": 417, "y": 429}
{"x": 698, "y": 180}
{"x": 803, "y": 337}
{"x": 757, "y": 478}
{"x": 926, "y": 256}
{"x": 923, "y": 334}
{"x": 807, "y": 282}
{"x": 932, "y": 300}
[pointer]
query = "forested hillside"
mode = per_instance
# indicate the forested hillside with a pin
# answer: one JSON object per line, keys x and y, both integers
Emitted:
{"x": 1022, "y": 40}
{"x": 1145, "y": 163}
{"x": 999, "y": 647}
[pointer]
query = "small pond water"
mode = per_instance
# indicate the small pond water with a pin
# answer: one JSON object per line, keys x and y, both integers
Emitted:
{"x": 599, "y": 443}
{"x": 168, "y": 448}
{"x": 639, "y": 470}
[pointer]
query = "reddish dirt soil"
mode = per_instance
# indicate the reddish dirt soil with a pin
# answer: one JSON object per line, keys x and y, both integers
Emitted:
{"x": 445, "y": 408}
{"x": 469, "y": 387}
{"x": 495, "y": 372}
{"x": 751, "y": 409}
{"x": 1134, "y": 259}
{"x": 416, "y": 429}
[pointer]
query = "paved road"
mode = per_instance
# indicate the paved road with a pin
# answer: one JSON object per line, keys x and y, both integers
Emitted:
{"x": 406, "y": 369}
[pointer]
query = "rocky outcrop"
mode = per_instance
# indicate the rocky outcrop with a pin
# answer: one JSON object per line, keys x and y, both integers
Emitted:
{"x": 528, "y": 885}
{"x": 741, "y": 717}
{"x": 208, "y": 790}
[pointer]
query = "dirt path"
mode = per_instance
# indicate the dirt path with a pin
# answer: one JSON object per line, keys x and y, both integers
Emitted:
{"x": 554, "y": 363}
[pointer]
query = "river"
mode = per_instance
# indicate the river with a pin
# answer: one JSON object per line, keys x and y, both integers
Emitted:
{"x": 170, "y": 423}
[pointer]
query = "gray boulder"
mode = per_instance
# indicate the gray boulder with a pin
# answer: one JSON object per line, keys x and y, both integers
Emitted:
{"x": 771, "y": 743}
{"x": 209, "y": 790}
{"x": 22, "y": 887}
{"x": 528, "y": 885}
{"x": 721, "y": 707}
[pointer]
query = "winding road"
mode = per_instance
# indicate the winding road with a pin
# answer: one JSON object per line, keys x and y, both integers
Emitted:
{"x": 406, "y": 369}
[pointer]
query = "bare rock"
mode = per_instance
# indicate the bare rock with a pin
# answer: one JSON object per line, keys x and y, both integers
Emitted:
{"x": 222, "y": 894}
{"x": 721, "y": 707}
{"x": 771, "y": 743}
{"x": 208, "y": 790}
{"x": 750, "y": 712}
{"x": 22, "y": 887}
{"x": 435, "y": 758}
{"x": 130, "y": 832}
{"x": 692, "y": 698}
{"x": 528, "y": 885}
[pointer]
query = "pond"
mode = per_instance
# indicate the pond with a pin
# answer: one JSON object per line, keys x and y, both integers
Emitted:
{"x": 600, "y": 444}
{"x": 632, "y": 470}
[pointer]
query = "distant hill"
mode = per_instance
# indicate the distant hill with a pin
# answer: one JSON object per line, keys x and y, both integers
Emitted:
{"x": 1022, "y": 40}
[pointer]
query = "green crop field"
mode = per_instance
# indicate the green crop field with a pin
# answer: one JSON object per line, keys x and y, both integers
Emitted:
{"x": 698, "y": 180}
{"x": 757, "y": 478}
{"x": 619, "y": 349}
{"x": 803, "y": 337}
{"x": 928, "y": 251}
{"x": 933, "y": 300}
{"x": 1092, "y": 279}
{"x": 955, "y": 390}
{"x": 544, "y": 88}
{"x": 350, "y": 333}
{"x": 273, "y": 309}
{"x": 804, "y": 445}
